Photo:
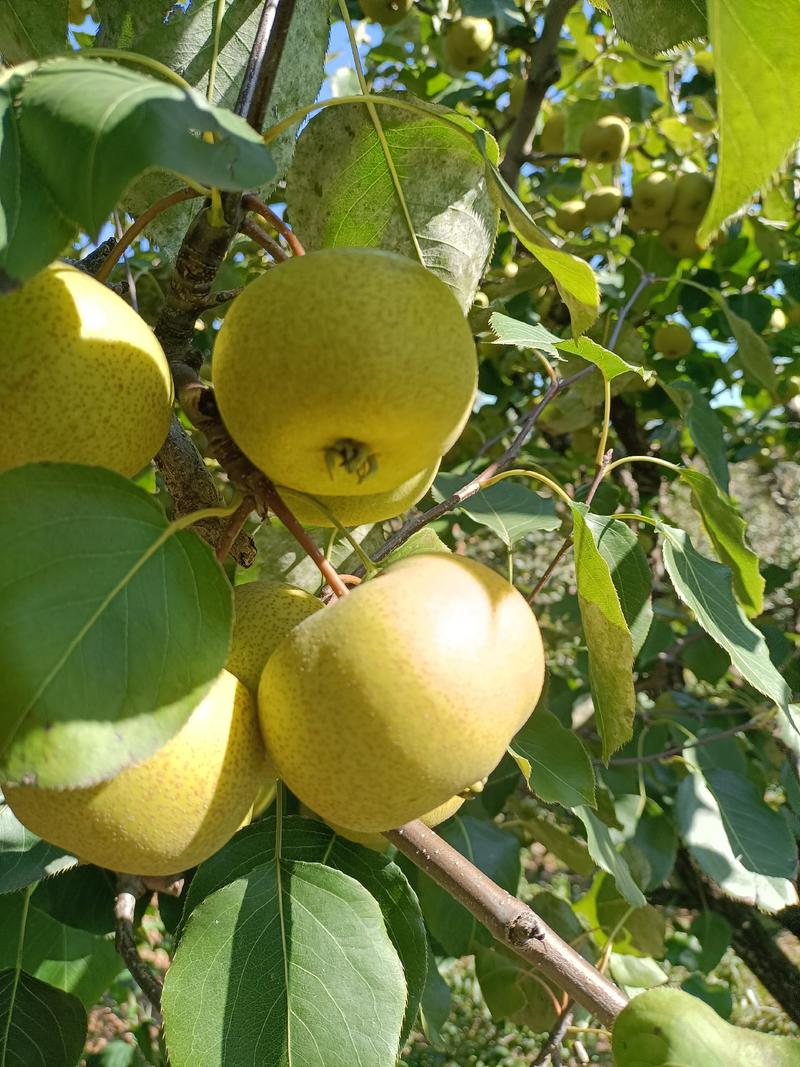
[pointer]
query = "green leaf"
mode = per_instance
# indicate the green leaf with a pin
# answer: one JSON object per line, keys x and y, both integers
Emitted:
{"x": 435, "y": 1006}
{"x": 24, "y": 858}
{"x": 630, "y": 572}
{"x": 670, "y": 1028}
{"x": 636, "y": 972}
{"x": 610, "y": 364}
{"x": 290, "y": 964}
{"x": 493, "y": 851}
{"x": 759, "y": 99}
{"x": 714, "y": 935}
{"x": 665, "y": 23}
{"x": 726, "y": 529}
{"x": 121, "y": 590}
{"x": 29, "y": 31}
{"x": 71, "y": 960}
{"x": 78, "y": 131}
{"x": 606, "y": 856}
{"x": 423, "y": 541}
{"x": 513, "y": 991}
{"x": 508, "y": 509}
{"x": 703, "y": 831}
{"x": 82, "y": 897}
{"x": 706, "y": 587}
{"x": 574, "y": 277}
{"x": 656, "y": 840}
{"x": 759, "y": 836}
{"x": 565, "y": 846}
{"x": 553, "y": 761}
{"x": 508, "y": 331}
{"x": 340, "y": 191}
{"x": 608, "y": 639}
{"x": 281, "y": 558}
{"x": 504, "y": 12}
{"x": 752, "y": 350}
{"x": 637, "y": 931}
{"x": 704, "y": 427}
{"x": 121, "y": 22}
{"x": 39, "y": 1024}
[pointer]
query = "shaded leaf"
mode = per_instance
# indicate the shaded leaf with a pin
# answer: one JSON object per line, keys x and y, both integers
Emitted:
{"x": 752, "y": 351}
{"x": 630, "y": 572}
{"x": 30, "y": 31}
{"x": 759, "y": 836}
{"x": 39, "y": 1024}
{"x": 553, "y": 761}
{"x": 24, "y": 858}
{"x": 435, "y": 1006}
{"x": 665, "y": 24}
{"x": 513, "y": 991}
{"x": 704, "y": 428}
{"x": 565, "y": 846}
{"x": 120, "y": 588}
{"x": 509, "y": 509}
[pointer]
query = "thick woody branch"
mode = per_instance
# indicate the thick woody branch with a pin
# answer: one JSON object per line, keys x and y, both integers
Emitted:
{"x": 509, "y": 921}
{"x": 544, "y": 70}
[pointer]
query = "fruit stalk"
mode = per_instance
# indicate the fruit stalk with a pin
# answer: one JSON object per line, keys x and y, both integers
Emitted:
{"x": 129, "y": 890}
{"x": 509, "y": 920}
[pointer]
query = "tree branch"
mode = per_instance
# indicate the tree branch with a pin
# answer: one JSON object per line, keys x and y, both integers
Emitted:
{"x": 509, "y": 921}
{"x": 129, "y": 889}
{"x": 544, "y": 70}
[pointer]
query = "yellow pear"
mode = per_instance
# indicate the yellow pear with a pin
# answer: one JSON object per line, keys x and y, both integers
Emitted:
{"x": 681, "y": 240}
{"x": 692, "y": 195}
{"x": 357, "y": 510}
{"x": 571, "y": 216}
{"x": 552, "y": 136}
{"x": 673, "y": 340}
{"x": 603, "y": 203}
{"x": 82, "y": 377}
{"x": 263, "y": 614}
{"x": 345, "y": 371}
{"x": 468, "y": 43}
{"x": 386, "y": 12}
{"x": 403, "y": 693}
{"x": 380, "y": 844}
{"x": 170, "y": 812}
{"x": 606, "y": 140}
{"x": 654, "y": 194}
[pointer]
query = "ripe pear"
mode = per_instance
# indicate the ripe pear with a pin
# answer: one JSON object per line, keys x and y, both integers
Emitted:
{"x": 571, "y": 216}
{"x": 172, "y": 811}
{"x": 386, "y": 12}
{"x": 551, "y": 139}
{"x": 654, "y": 194}
{"x": 82, "y": 377}
{"x": 345, "y": 372}
{"x": 357, "y": 510}
{"x": 606, "y": 140}
{"x": 692, "y": 195}
{"x": 468, "y": 43}
{"x": 263, "y": 614}
{"x": 673, "y": 340}
{"x": 681, "y": 240}
{"x": 379, "y": 843}
{"x": 603, "y": 203}
{"x": 403, "y": 693}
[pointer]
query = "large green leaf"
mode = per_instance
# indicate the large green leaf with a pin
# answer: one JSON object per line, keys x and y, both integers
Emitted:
{"x": 75, "y": 132}
{"x": 703, "y": 831}
{"x": 759, "y": 836}
{"x": 755, "y": 48}
{"x": 608, "y": 638}
{"x": 30, "y": 31}
{"x": 340, "y": 190}
{"x": 630, "y": 572}
{"x": 608, "y": 858}
{"x": 509, "y": 509}
{"x": 113, "y": 625}
{"x": 39, "y": 1024}
{"x": 609, "y": 363}
{"x": 707, "y": 588}
{"x": 24, "y": 858}
{"x": 554, "y": 762}
{"x": 726, "y": 529}
{"x": 661, "y": 25}
{"x": 290, "y": 964}
{"x": 704, "y": 427}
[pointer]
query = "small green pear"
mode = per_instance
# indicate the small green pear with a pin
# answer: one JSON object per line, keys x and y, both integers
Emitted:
{"x": 603, "y": 203}
{"x": 571, "y": 216}
{"x": 402, "y": 693}
{"x": 386, "y": 12}
{"x": 468, "y": 43}
{"x": 551, "y": 139}
{"x": 681, "y": 240}
{"x": 606, "y": 140}
{"x": 692, "y": 195}
{"x": 655, "y": 193}
{"x": 673, "y": 340}
{"x": 644, "y": 221}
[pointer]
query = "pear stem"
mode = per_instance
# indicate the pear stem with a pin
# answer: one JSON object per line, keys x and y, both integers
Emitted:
{"x": 129, "y": 889}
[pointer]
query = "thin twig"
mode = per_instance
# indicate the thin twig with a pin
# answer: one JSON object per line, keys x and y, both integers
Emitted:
{"x": 566, "y": 544}
{"x": 556, "y": 1036}
{"x": 253, "y": 203}
{"x": 129, "y": 889}
{"x": 250, "y": 228}
{"x": 233, "y": 528}
{"x": 677, "y": 750}
{"x": 222, "y": 296}
{"x": 136, "y": 227}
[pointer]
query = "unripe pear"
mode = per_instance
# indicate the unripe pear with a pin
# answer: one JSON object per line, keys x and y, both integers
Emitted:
{"x": 345, "y": 372}
{"x": 357, "y": 510}
{"x": 571, "y": 216}
{"x": 82, "y": 377}
{"x": 386, "y": 12}
{"x": 681, "y": 240}
{"x": 403, "y": 693}
{"x": 673, "y": 340}
{"x": 603, "y": 203}
{"x": 468, "y": 43}
{"x": 551, "y": 139}
{"x": 171, "y": 812}
{"x": 692, "y": 196}
{"x": 643, "y": 221}
{"x": 379, "y": 843}
{"x": 654, "y": 194}
{"x": 264, "y": 613}
{"x": 606, "y": 140}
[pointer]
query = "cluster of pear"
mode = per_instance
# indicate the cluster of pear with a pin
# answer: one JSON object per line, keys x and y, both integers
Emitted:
{"x": 467, "y": 40}
{"x": 392, "y": 703}
{"x": 674, "y": 207}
